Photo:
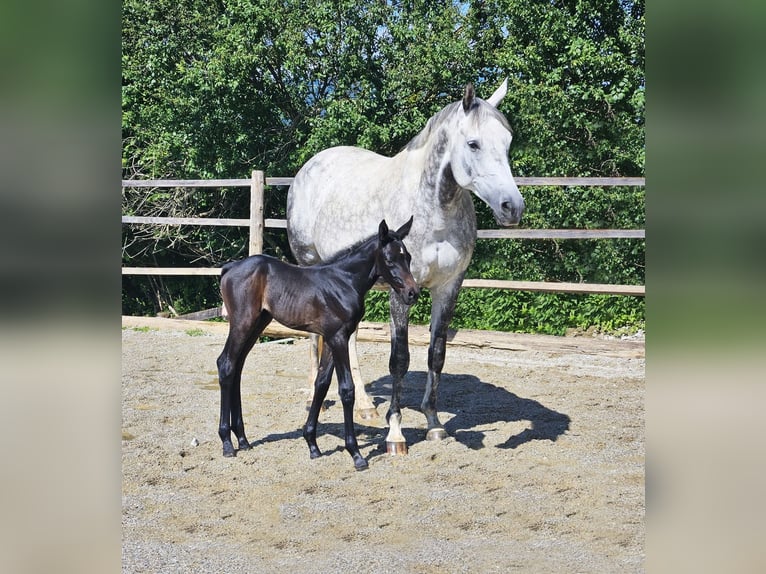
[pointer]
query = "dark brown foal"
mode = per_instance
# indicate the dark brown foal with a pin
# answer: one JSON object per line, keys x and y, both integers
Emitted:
{"x": 326, "y": 299}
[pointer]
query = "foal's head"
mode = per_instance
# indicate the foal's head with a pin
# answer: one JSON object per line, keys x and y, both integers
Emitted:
{"x": 392, "y": 262}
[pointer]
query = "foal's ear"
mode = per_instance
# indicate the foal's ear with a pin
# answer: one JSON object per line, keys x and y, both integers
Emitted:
{"x": 468, "y": 97}
{"x": 383, "y": 231}
{"x": 405, "y": 229}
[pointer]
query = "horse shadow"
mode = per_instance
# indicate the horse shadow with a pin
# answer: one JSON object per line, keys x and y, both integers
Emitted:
{"x": 475, "y": 403}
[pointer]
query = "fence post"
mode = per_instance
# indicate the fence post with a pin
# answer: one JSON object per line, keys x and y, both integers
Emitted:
{"x": 256, "y": 213}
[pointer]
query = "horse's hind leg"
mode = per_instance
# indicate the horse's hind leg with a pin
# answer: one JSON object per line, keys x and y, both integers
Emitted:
{"x": 321, "y": 385}
{"x": 364, "y": 408}
{"x": 230, "y": 363}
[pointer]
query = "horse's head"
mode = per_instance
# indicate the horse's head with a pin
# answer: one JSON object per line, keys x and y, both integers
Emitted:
{"x": 393, "y": 262}
{"x": 479, "y": 155}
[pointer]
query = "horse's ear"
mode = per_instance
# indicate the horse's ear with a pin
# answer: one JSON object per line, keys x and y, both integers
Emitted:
{"x": 468, "y": 97}
{"x": 405, "y": 229}
{"x": 383, "y": 231}
{"x": 499, "y": 94}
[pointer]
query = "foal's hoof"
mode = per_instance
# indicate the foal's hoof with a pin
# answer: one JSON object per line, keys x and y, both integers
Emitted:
{"x": 229, "y": 452}
{"x": 396, "y": 447}
{"x": 360, "y": 464}
{"x": 436, "y": 433}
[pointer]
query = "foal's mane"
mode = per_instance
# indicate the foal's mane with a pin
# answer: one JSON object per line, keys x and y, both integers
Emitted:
{"x": 358, "y": 245}
{"x": 480, "y": 111}
{"x": 348, "y": 251}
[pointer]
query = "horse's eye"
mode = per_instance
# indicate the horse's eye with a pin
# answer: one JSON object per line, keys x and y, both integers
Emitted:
{"x": 473, "y": 144}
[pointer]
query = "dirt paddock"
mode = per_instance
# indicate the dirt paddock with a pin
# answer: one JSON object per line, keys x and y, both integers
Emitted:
{"x": 543, "y": 470}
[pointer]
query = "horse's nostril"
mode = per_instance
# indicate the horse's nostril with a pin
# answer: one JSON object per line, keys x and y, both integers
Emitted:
{"x": 507, "y": 206}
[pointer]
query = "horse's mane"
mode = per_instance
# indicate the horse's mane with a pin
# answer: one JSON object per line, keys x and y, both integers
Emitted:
{"x": 480, "y": 110}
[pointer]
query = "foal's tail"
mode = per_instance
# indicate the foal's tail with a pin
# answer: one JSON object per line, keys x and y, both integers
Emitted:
{"x": 226, "y": 267}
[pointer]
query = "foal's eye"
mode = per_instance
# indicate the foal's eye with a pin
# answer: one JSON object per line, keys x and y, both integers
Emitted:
{"x": 473, "y": 144}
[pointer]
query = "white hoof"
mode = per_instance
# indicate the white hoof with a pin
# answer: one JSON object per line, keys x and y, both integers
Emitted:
{"x": 396, "y": 447}
{"x": 436, "y": 433}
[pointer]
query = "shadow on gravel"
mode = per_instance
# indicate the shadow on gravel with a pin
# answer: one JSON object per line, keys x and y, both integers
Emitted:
{"x": 475, "y": 403}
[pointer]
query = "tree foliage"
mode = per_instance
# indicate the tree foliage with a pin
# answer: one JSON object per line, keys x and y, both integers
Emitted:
{"x": 216, "y": 89}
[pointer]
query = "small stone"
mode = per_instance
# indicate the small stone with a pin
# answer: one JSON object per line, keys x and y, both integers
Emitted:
{"x": 194, "y": 442}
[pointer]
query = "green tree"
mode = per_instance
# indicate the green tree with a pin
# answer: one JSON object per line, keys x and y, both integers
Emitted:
{"x": 216, "y": 89}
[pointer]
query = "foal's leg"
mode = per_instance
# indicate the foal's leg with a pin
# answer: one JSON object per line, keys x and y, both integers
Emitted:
{"x": 321, "y": 384}
{"x": 339, "y": 347}
{"x": 443, "y": 299}
{"x": 240, "y": 341}
{"x": 398, "y": 364}
{"x": 364, "y": 408}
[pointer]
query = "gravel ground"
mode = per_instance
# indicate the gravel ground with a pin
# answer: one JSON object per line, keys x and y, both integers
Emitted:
{"x": 543, "y": 470}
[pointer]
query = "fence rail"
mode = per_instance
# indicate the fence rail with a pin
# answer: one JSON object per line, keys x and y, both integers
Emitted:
{"x": 257, "y": 223}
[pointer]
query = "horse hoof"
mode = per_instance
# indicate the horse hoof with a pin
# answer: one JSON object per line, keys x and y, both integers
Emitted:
{"x": 361, "y": 464}
{"x": 368, "y": 414}
{"x": 229, "y": 453}
{"x": 396, "y": 447}
{"x": 436, "y": 433}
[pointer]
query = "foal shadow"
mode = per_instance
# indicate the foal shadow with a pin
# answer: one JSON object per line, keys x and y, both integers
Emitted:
{"x": 475, "y": 403}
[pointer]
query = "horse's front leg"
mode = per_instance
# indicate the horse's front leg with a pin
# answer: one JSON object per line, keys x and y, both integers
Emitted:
{"x": 398, "y": 364}
{"x": 325, "y": 368}
{"x": 339, "y": 347}
{"x": 443, "y": 300}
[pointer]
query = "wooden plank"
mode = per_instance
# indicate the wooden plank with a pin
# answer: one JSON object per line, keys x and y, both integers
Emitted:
{"x": 561, "y": 233}
{"x": 524, "y": 181}
{"x": 186, "y": 183}
{"x": 133, "y": 219}
{"x": 582, "y": 181}
{"x": 535, "y": 181}
{"x": 275, "y": 223}
{"x": 201, "y": 315}
{"x": 171, "y": 270}
{"x": 279, "y": 180}
{"x": 555, "y": 287}
{"x": 548, "y": 287}
{"x": 532, "y": 233}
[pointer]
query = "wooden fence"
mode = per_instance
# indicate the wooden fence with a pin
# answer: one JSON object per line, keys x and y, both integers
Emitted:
{"x": 256, "y": 222}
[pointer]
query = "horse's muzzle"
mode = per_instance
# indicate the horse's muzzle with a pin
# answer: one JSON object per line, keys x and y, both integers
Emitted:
{"x": 510, "y": 213}
{"x": 409, "y": 294}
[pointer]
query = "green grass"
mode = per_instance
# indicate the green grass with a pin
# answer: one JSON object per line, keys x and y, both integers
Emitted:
{"x": 195, "y": 332}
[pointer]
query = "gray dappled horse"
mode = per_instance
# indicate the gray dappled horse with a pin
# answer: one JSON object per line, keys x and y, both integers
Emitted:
{"x": 340, "y": 193}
